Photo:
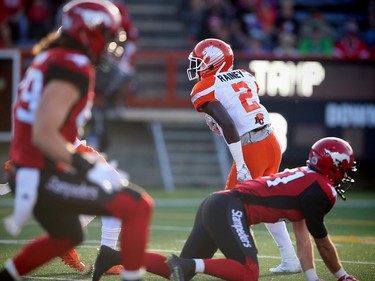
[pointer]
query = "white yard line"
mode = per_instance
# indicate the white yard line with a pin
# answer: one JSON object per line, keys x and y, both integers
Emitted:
{"x": 97, "y": 242}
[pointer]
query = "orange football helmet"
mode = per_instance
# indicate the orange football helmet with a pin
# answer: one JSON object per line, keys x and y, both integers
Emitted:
{"x": 209, "y": 57}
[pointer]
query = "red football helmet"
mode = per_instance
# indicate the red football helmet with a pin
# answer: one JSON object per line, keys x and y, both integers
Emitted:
{"x": 334, "y": 158}
{"x": 94, "y": 24}
{"x": 209, "y": 57}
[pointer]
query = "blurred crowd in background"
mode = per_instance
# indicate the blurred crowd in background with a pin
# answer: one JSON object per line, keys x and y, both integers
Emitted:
{"x": 24, "y": 22}
{"x": 292, "y": 28}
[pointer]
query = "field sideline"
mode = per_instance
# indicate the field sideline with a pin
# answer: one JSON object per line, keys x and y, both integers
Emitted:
{"x": 351, "y": 225}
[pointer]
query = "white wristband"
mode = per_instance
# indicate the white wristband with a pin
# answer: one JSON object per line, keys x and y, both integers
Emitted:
{"x": 236, "y": 151}
{"x": 311, "y": 275}
{"x": 199, "y": 265}
{"x": 341, "y": 272}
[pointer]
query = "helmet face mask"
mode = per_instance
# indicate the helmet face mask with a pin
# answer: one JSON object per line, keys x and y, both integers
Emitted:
{"x": 113, "y": 53}
{"x": 194, "y": 65}
{"x": 346, "y": 182}
{"x": 209, "y": 57}
{"x": 334, "y": 158}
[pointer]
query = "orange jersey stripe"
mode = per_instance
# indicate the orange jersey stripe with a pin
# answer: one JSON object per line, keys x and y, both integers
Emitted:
{"x": 203, "y": 92}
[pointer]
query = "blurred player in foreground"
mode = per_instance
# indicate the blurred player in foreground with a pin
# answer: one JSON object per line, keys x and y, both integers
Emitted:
{"x": 48, "y": 177}
{"x": 233, "y": 110}
{"x": 303, "y": 196}
{"x": 111, "y": 227}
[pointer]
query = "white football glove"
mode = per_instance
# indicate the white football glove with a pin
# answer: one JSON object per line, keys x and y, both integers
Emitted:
{"x": 243, "y": 174}
{"x": 11, "y": 226}
{"x": 4, "y": 188}
{"x": 212, "y": 125}
{"x": 107, "y": 177}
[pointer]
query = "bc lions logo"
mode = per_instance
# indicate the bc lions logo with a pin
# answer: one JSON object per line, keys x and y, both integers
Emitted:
{"x": 259, "y": 119}
{"x": 337, "y": 157}
{"x": 213, "y": 53}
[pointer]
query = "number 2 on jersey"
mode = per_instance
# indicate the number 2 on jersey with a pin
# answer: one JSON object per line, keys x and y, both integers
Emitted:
{"x": 246, "y": 93}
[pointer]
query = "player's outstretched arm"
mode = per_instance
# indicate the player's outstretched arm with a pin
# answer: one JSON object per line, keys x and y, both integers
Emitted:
{"x": 305, "y": 250}
{"x": 327, "y": 251}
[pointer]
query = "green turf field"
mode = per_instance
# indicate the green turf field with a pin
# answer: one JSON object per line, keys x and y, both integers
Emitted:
{"x": 351, "y": 225}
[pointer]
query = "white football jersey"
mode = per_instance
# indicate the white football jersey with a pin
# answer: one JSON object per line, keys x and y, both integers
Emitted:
{"x": 237, "y": 91}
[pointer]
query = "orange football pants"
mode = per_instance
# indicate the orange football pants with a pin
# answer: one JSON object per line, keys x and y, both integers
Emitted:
{"x": 262, "y": 159}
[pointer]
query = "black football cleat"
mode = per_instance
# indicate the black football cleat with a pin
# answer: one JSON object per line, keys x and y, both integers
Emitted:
{"x": 5, "y": 275}
{"x": 181, "y": 269}
{"x": 107, "y": 257}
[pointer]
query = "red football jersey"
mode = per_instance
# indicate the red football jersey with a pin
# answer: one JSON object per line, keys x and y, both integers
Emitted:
{"x": 292, "y": 195}
{"x": 56, "y": 63}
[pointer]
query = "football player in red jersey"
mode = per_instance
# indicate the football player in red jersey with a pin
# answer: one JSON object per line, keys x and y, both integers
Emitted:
{"x": 303, "y": 196}
{"x": 229, "y": 97}
{"x": 48, "y": 177}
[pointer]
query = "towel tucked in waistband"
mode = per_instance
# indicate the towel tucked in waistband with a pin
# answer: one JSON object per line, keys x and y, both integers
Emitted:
{"x": 256, "y": 135}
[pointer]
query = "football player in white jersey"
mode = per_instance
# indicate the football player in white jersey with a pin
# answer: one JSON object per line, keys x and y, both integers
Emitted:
{"x": 229, "y": 98}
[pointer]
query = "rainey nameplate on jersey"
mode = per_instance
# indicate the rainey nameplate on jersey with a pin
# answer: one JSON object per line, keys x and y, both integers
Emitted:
{"x": 223, "y": 77}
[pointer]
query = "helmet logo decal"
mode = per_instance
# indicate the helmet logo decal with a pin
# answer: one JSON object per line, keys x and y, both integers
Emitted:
{"x": 337, "y": 157}
{"x": 214, "y": 54}
{"x": 94, "y": 18}
{"x": 314, "y": 160}
{"x": 259, "y": 119}
{"x": 67, "y": 22}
